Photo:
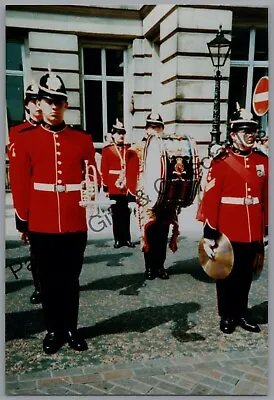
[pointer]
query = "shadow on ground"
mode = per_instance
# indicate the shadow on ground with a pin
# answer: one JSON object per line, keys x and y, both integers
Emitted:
{"x": 14, "y": 286}
{"x": 145, "y": 319}
{"x": 259, "y": 313}
{"x": 24, "y": 324}
{"x": 191, "y": 267}
{"x": 128, "y": 284}
{"x": 112, "y": 260}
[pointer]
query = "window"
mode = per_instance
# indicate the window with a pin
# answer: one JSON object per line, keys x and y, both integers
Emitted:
{"x": 103, "y": 89}
{"x": 14, "y": 82}
{"x": 249, "y": 62}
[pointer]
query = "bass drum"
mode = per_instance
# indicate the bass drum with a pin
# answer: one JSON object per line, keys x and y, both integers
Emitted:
{"x": 172, "y": 171}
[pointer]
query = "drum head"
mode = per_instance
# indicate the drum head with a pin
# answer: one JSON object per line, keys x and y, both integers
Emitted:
{"x": 152, "y": 170}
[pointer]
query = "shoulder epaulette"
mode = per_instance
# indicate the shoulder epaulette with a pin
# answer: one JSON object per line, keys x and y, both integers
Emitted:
{"x": 224, "y": 153}
{"x": 28, "y": 128}
{"x": 258, "y": 151}
{"x": 107, "y": 145}
{"x": 79, "y": 130}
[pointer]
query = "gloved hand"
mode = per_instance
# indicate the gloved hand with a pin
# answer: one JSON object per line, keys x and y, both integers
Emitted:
{"x": 208, "y": 247}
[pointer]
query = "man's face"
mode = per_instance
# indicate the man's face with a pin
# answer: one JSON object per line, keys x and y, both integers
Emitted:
{"x": 53, "y": 110}
{"x": 119, "y": 137}
{"x": 34, "y": 110}
{"x": 244, "y": 139}
{"x": 153, "y": 129}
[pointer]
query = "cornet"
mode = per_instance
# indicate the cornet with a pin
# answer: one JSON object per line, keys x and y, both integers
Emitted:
{"x": 90, "y": 192}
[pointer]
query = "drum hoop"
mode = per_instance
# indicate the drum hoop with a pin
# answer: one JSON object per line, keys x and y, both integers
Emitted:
{"x": 163, "y": 162}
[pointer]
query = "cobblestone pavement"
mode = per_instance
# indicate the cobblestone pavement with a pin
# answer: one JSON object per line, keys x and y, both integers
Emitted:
{"x": 145, "y": 337}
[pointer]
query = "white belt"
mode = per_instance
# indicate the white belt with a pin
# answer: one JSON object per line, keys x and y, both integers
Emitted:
{"x": 50, "y": 187}
{"x": 240, "y": 200}
{"x": 114, "y": 171}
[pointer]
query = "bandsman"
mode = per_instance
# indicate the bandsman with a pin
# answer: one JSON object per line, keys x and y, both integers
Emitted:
{"x": 235, "y": 203}
{"x": 49, "y": 162}
{"x": 34, "y": 119}
{"x": 113, "y": 168}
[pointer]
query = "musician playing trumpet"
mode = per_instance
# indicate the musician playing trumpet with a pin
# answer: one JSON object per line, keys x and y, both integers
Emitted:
{"x": 113, "y": 167}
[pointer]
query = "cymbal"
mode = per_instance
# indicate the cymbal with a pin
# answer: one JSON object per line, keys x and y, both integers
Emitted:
{"x": 221, "y": 265}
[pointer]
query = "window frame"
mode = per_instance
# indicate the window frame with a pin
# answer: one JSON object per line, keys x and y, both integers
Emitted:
{"x": 250, "y": 63}
{"x": 11, "y": 72}
{"x": 104, "y": 78}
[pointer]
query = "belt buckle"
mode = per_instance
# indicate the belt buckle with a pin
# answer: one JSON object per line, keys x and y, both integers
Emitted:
{"x": 59, "y": 188}
{"x": 248, "y": 201}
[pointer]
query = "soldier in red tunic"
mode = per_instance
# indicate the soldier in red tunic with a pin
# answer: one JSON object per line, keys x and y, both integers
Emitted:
{"x": 235, "y": 203}
{"x": 35, "y": 118}
{"x": 49, "y": 167}
{"x": 113, "y": 168}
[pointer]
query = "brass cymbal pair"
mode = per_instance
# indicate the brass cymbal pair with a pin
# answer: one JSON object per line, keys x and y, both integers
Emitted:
{"x": 221, "y": 265}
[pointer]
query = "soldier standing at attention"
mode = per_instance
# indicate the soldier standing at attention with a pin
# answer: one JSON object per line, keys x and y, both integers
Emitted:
{"x": 113, "y": 167}
{"x": 34, "y": 119}
{"x": 49, "y": 162}
{"x": 235, "y": 203}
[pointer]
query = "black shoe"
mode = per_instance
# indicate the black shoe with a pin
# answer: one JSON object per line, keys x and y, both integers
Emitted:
{"x": 227, "y": 325}
{"x": 128, "y": 243}
{"x": 117, "y": 244}
{"x": 150, "y": 274}
{"x": 248, "y": 325}
{"x": 76, "y": 342}
{"x": 36, "y": 297}
{"x": 52, "y": 343}
{"x": 162, "y": 273}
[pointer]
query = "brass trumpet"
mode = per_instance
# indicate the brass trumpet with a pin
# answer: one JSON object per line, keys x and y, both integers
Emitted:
{"x": 90, "y": 191}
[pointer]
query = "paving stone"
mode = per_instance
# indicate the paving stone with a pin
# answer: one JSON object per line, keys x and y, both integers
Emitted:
{"x": 117, "y": 390}
{"x": 177, "y": 369}
{"x": 79, "y": 388}
{"x": 226, "y": 387}
{"x": 148, "y": 371}
{"x": 117, "y": 374}
{"x": 256, "y": 379}
{"x": 89, "y": 369}
{"x": 260, "y": 390}
{"x": 68, "y": 372}
{"x": 172, "y": 388}
{"x": 86, "y": 378}
{"x": 134, "y": 385}
{"x": 230, "y": 379}
{"x": 53, "y": 381}
{"x": 200, "y": 390}
{"x": 243, "y": 388}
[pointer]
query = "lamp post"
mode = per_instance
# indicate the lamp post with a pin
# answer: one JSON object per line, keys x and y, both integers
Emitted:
{"x": 219, "y": 49}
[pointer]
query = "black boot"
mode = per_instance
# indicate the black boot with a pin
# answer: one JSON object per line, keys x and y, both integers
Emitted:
{"x": 117, "y": 244}
{"x": 249, "y": 325}
{"x": 36, "y": 297}
{"x": 162, "y": 273}
{"x": 76, "y": 342}
{"x": 52, "y": 342}
{"x": 150, "y": 274}
{"x": 228, "y": 325}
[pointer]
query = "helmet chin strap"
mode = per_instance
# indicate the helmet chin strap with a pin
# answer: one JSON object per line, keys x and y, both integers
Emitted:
{"x": 240, "y": 143}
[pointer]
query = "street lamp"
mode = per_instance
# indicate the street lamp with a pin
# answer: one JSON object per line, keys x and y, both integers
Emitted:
{"x": 219, "y": 49}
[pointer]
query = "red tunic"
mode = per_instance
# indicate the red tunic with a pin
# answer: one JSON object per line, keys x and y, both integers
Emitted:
{"x": 230, "y": 181}
{"x": 45, "y": 157}
{"x": 111, "y": 166}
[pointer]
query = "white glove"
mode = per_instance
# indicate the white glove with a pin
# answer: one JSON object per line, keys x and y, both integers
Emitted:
{"x": 208, "y": 244}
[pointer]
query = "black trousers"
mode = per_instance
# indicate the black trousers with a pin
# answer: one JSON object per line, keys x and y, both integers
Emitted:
{"x": 60, "y": 265}
{"x": 233, "y": 291}
{"x": 34, "y": 265}
{"x": 120, "y": 213}
{"x": 157, "y": 237}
